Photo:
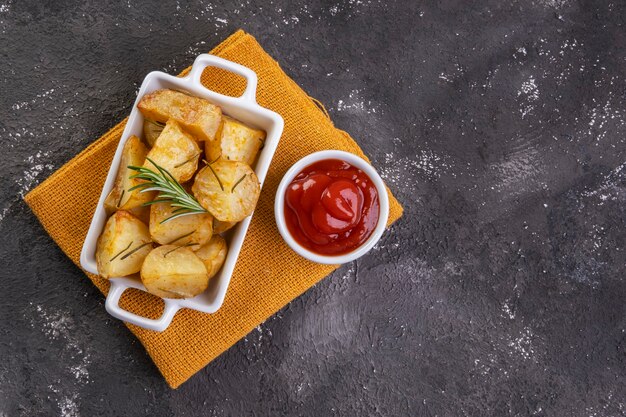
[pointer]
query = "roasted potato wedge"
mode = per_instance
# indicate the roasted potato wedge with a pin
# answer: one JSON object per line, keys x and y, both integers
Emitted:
{"x": 151, "y": 130}
{"x": 229, "y": 190}
{"x": 142, "y": 213}
{"x": 235, "y": 141}
{"x": 176, "y": 151}
{"x": 172, "y": 271}
{"x": 213, "y": 254}
{"x": 123, "y": 245}
{"x": 221, "y": 227}
{"x": 193, "y": 228}
{"x": 134, "y": 153}
{"x": 196, "y": 115}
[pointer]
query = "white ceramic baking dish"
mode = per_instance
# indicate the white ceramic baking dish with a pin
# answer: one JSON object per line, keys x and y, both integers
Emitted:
{"x": 244, "y": 108}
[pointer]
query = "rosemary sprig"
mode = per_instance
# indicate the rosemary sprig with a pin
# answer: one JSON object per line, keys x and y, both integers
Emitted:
{"x": 187, "y": 161}
{"x": 169, "y": 190}
{"x": 216, "y": 177}
{"x": 119, "y": 203}
{"x": 121, "y": 252}
{"x": 181, "y": 237}
{"x": 213, "y": 161}
{"x": 135, "y": 250}
{"x": 232, "y": 190}
{"x": 186, "y": 245}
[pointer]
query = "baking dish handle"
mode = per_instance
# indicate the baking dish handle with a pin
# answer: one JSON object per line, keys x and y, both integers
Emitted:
{"x": 114, "y": 309}
{"x": 206, "y": 60}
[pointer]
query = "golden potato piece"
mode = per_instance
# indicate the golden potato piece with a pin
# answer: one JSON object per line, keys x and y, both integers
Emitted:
{"x": 176, "y": 151}
{"x": 213, "y": 254}
{"x": 235, "y": 141}
{"x": 193, "y": 228}
{"x": 229, "y": 190}
{"x": 173, "y": 271}
{"x": 221, "y": 227}
{"x": 142, "y": 213}
{"x": 196, "y": 115}
{"x": 122, "y": 246}
{"x": 151, "y": 130}
{"x": 134, "y": 153}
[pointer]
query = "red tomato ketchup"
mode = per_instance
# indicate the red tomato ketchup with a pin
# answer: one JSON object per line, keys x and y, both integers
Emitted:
{"x": 331, "y": 207}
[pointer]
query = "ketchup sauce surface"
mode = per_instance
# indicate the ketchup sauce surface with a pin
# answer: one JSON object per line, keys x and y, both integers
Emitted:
{"x": 331, "y": 207}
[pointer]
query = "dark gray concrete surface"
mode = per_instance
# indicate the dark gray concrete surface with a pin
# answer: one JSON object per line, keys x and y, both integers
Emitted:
{"x": 499, "y": 125}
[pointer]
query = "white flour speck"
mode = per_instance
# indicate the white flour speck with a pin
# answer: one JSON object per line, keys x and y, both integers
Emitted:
{"x": 408, "y": 171}
{"x": 557, "y": 4}
{"x": 356, "y": 104}
{"x": 447, "y": 78}
{"x": 529, "y": 88}
{"x": 5, "y": 7}
{"x": 69, "y": 406}
{"x": 59, "y": 327}
{"x": 5, "y": 210}
{"x": 610, "y": 188}
{"x": 35, "y": 101}
{"x": 293, "y": 20}
{"x": 29, "y": 176}
{"x": 601, "y": 116}
{"x": 528, "y": 93}
{"x": 523, "y": 344}
{"x": 506, "y": 309}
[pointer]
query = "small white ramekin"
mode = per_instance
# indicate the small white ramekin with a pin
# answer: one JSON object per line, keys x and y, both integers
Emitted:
{"x": 355, "y": 161}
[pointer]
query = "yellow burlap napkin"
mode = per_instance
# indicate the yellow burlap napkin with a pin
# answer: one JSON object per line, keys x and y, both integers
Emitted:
{"x": 268, "y": 274}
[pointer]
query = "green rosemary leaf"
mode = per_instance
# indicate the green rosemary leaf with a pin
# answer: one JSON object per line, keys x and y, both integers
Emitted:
{"x": 187, "y": 161}
{"x": 216, "y": 177}
{"x": 178, "y": 210}
{"x": 121, "y": 252}
{"x": 215, "y": 160}
{"x": 138, "y": 186}
{"x": 181, "y": 237}
{"x": 168, "y": 188}
{"x": 135, "y": 250}
{"x": 119, "y": 203}
{"x": 162, "y": 200}
{"x": 175, "y": 216}
{"x": 178, "y": 247}
{"x": 232, "y": 190}
{"x": 136, "y": 168}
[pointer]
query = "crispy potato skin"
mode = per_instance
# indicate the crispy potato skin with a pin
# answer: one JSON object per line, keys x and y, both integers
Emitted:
{"x": 134, "y": 153}
{"x": 227, "y": 205}
{"x": 196, "y": 115}
{"x": 142, "y": 213}
{"x": 176, "y": 151}
{"x": 172, "y": 271}
{"x": 213, "y": 254}
{"x": 235, "y": 141}
{"x": 199, "y": 225}
{"x": 151, "y": 130}
{"x": 221, "y": 227}
{"x": 122, "y": 234}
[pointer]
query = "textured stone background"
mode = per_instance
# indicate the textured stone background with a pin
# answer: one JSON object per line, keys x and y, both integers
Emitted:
{"x": 500, "y": 125}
